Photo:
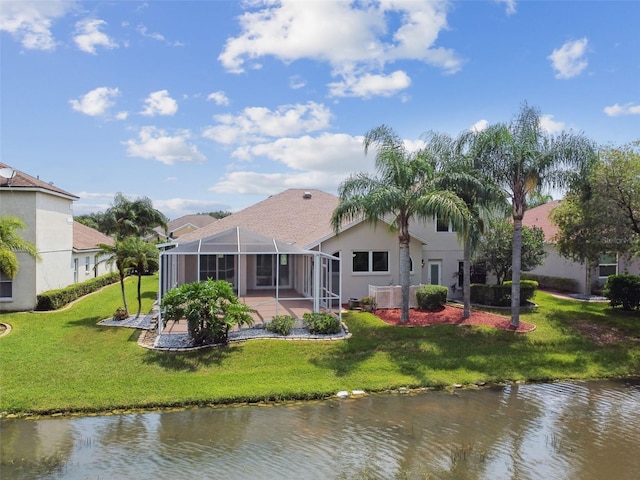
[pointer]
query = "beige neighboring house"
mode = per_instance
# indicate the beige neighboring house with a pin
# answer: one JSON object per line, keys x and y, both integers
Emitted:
{"x": 286, "y": 242}
{"x": 47, "y": 212}
{"x": 556, "y": 265}
{"x": 87, "y": 261}
{"x": 181, "y": 226}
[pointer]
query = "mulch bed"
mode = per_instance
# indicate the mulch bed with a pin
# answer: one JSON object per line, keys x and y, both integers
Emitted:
{"x": 450, "y": 316}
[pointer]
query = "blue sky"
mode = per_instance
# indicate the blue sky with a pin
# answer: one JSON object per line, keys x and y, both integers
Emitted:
{"x": 214, "y": 105}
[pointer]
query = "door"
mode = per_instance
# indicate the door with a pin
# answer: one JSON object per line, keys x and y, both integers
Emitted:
{"x": 435, "y": 269}
{"x": 266, "y": 270}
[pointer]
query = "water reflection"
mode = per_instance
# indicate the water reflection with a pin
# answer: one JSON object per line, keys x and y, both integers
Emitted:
{"x": 550, "y": 431}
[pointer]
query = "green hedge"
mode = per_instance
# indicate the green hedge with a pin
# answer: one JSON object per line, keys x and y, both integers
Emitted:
{"x": 55, "y": 299}
{"x": 322, "y": 323}
{"x": 623, "y": 290}
{"x": 431, "y": 297}
{"x": 281, "y": 324}
{"x": 562, "y": 284}
{"x": 500, "y": 295}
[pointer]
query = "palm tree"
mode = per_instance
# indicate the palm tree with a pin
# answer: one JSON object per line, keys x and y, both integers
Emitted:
{"x": 405, "y": 188}
{"x": 141, "y": 256}
{"x": 117, "y": 254}
{"x": 11, "y": 243}
{"x": 523, "y": 158}
{"x": 132, "y": 217}
{"x": 465, "y": 175}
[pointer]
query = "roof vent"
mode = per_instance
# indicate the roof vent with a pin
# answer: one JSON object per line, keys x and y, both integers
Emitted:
{"x": 306, "y": 195}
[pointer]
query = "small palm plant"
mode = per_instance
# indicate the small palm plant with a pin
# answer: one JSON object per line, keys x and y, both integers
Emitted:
{"x": 210, "y": 308}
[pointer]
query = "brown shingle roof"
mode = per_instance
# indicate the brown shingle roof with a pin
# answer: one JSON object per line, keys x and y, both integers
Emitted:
{"x": 23, "y": 181}
{"x": 287, "y": 216}
{"x": 87, "y": 238}
{"x": 539, "y": 217}
{"x": 198, "y": 221}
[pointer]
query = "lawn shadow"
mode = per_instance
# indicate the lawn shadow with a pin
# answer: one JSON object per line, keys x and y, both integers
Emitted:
{"x": 440, "y": 351}
{"x": 191, "y": 361}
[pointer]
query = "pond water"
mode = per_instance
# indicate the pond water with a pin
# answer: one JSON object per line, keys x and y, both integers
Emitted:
{"x": 583, "y": 431}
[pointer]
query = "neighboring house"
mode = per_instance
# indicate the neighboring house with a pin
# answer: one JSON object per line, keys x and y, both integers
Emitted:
{"x": 556, "y": 265}
{"x": 181, "y": 226}
{"x": 87, "y": 261}
{"x": 297, "y": 223}
{"x": 47, "y": 212}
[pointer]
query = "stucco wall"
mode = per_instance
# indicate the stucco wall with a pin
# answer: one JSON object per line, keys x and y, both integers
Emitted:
{"x": 362, "y": 237}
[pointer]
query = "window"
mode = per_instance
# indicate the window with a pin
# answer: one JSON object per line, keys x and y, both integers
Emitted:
{"x": 368, "y": 262}
{"x": 442, "y": 226}
{"x": 6, "y": 286}
{"x": 217, "y": 267}
{"x": 608, "y": 265}
{"x": 87, "y": 265}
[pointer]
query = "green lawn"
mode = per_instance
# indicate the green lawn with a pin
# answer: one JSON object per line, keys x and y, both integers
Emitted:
{"x": 64, "y": 362}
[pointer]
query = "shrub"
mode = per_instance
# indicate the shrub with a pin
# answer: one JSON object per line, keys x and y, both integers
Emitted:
{"x": 500, "y": 295}
{"x": 322, "y": 323}
{"x": 431, "y": 297}
{"x": 281, "y": 324}
{"x": 527, "y": 290}
{"x": 623, "y": 290}
{"x": 55, "y": 299}
{"x": 120, "y": 314}
{"x": 562, "y": 284}
{"x": 210, "y": 308}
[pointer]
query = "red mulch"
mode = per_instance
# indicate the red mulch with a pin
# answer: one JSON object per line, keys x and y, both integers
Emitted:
{"x": 450, "y": 316}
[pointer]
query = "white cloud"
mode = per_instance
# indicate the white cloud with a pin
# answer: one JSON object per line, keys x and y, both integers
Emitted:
{"x": 142, "y": 30}
{"x": 271, "y": 183}
{"x": 219, "y": 97}
{"x": 569, "y": 60}
{"x": 159, "y": 103}
{"x": 30, "y": 22}
{"x": 96, "y": 102}
{"x": 328, "y": 152}
{"x": 509, "y": 4}
{"x": 254, "y": 124}
{"x": 549, "y": 125}
{"x": 369, "y": 85}
{"x": 177, "y": 207}
{"x": 296, "y": 82}
{"x": 88, "y": 35}
{"x": 369, "y": 36}
{"x": 156, "y": 144}
{"x": 626, "y": 109}
{"x": 122, "y": 115}
{"x": 479, "y": 126}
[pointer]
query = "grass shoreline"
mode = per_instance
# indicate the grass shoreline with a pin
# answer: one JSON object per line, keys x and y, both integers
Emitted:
{"x": 64, "y": 363}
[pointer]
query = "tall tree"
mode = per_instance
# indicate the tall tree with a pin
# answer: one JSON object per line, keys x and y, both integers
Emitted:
{"x": 117, "y": 255}
{"x": 405, "y": 187}
{"x": 132, "y": 217}
{"x": 11, "y": 243}
{"x": 141, "y": 256}
{"x": 495, "y": 250}
{"x": 522, "y": 157}
{"x": 465, "y": 175}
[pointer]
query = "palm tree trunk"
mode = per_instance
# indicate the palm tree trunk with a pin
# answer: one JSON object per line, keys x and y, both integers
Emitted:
{"x": 124, "y": 297}
{"x": 139, "y": 295}
{"x": 515, "y": 274}
{"x": 466, "y": 278}
{"x": 405, "y": 277}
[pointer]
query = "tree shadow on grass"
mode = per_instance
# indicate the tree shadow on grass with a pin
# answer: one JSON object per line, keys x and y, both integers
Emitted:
{"x": 191, "y": 361}
{"x": 447, "y": 351}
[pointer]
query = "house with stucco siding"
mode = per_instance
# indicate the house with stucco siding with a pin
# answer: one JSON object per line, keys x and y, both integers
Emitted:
{"x": 63, "y": 245}
{"x": 299, "y": 221}
{"x": 555, "y": 265}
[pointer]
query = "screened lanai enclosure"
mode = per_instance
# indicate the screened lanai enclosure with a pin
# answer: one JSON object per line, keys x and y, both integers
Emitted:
{"x": 270, "y": 276}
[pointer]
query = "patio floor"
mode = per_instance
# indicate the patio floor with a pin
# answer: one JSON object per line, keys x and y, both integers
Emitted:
{"x": 265, "y": 306}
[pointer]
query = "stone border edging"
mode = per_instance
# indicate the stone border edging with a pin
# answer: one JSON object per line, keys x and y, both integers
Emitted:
{"x": 7, "y": 329}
